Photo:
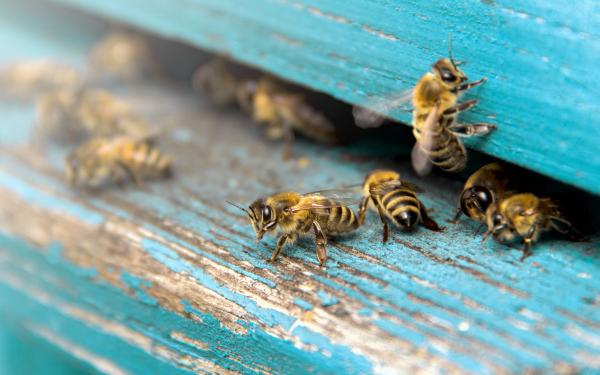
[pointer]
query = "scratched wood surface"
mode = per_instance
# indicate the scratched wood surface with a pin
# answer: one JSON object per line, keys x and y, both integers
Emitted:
{"x": 168, "y": 279}
{"x": 541, "y": 58}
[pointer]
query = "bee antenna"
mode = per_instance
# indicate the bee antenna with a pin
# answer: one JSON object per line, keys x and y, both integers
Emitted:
{"x": 450, "y": 49}
{"x": 486, "y": 235}
{"x": 239, "y": 207}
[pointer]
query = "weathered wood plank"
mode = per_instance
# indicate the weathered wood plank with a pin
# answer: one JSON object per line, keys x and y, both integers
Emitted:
{"x": 167, "y": 278}
{"x": 541, "y": 59}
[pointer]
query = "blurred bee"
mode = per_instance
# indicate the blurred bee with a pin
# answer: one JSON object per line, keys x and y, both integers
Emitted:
{"x": 489, "y": 184}
{"x": 103, "y": 160}
{"x": 122, "y": 56}
{"x": 218, "y": 81}
{"x": 29, "y": 79}
{"x": 72, "y": 115}
{"x": 284, "y": 112}
{"x": 437, "y": 133}
{"x": 395, "y": 200}
{"x": 293, "y": 214}
{"x": 527, "y": 216}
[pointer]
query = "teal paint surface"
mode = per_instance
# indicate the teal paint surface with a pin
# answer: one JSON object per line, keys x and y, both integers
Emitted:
{"x": 154, "y": 322}
{"x": 540, "y": 59}
{"x": 303, "y": 304}
{"x": 419, "y": 289}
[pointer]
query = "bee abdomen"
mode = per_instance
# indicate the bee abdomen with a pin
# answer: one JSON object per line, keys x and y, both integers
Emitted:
{"x": 449, "y": 153}
{"x": 341, "y": 220}
{"x": 147, "y": 159}
{"x": 403, "y": 207}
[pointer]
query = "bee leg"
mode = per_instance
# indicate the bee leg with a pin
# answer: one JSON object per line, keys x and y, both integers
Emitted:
{"x": 565, "y": 227}
{"x": 116, "y": 175}
{"x": 428, "y": 222}
{"x": 479, "y": 228}
{"x": 383, "y": 222}
{"x": 468, "y": 130}
{"x": 280, "y": 242}
{"x": 321, "y": 243}
{"x": 362, "y": 211}
{"x": 526, "y": 249}
{"x": 130, "y": 173}
{"x": 527, "y": 242}
{"x": 470, "y": 85}
{"x": 461, "y": 107}
{"x": 456, "y": 216}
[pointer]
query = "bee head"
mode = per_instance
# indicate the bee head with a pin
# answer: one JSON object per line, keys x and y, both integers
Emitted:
{"x": 262, "y": 217}
{"x": 498, "y": 224}
{"x": 475, "y": 201}
{"x": 449, "y": 73}
{"x": 245, "y": 95}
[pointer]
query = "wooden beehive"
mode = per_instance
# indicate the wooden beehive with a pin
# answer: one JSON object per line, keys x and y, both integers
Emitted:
{"x": 167, "y": 278}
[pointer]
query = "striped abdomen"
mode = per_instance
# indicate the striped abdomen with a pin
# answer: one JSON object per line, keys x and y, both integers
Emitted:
{"x": 402, "y": 207}
{"x": 447, "y": 151}
{"x": 144, "y": 160}
{"x": 340, "y": 219}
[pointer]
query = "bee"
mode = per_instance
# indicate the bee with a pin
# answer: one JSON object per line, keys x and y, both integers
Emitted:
{"x": 72, "y": 115}
{"x": 434, "y": 118}
{"x": 395, "y": 200}
{"x": 217, "y": 79}
{"x": 28, "y": 79}
{"x": 122, "y": 56}
{"x": 527, "y": 216}
{"x": 284, "y": 112}
{"x": 489, "y": 184}
{"x": 102, "y": 160}
{"x": 293, "y": 214}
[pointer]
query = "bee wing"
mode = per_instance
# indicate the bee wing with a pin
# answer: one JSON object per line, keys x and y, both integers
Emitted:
{"x": 374, "y": 111}
{"x": 420, "y": 152}
{"x": 345, "y": 196}
{"x": 385, "y": 187}
{"x": 312, "y": 116}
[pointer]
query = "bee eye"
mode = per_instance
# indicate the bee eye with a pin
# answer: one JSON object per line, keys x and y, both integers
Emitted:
{"x": 483, "y": 197}
{"x": 497, "y": 220}
{"x": 447, "y": 75}
{"x": 266, "y": 212}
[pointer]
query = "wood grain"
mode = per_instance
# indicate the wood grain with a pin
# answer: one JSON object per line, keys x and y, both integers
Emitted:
{"x": 167, "y": 278}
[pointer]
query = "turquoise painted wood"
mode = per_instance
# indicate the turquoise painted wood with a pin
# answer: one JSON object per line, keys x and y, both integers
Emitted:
{"x": 167, "y": 278}
{"x": 541, "y": 59}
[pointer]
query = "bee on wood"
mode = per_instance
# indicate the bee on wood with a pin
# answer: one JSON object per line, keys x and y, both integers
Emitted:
{"x": 72, "y": 115}
{"x": 395, "y": 200}
{"x": 122, "y": 56}
{"x": 293, "y": 214}
{"x": 527, "y": 216}
{"x": 284, "y": 112}
{"x": 103, "y": 160}
{"x": 29, "y": 79}
{"x": 435, "y": 110}
{"x": 489, "y": 184}
{"x": 218, "y": 81}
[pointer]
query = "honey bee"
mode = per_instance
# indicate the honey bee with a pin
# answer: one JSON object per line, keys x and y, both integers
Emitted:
{"x": 293, "y": 214}
{"x": 102, "y": 160}
{"x": 284, "y": 112}
{"x": 437, "y": 133}
{"x": 123, "y": 56}
{"x": 216, "y": 79}
{"x": 28, "y": 79}
{"x": 71, "y": 115}
{"x": 527, "y": 216}
{"x": 489, "y": 184}
{"x": 395, "y": 200}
